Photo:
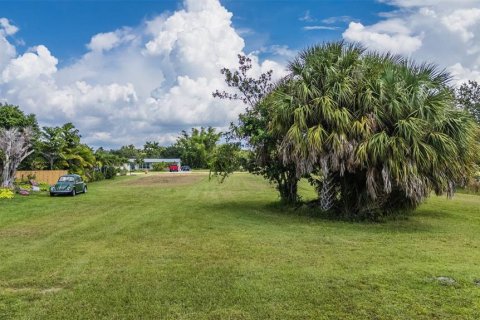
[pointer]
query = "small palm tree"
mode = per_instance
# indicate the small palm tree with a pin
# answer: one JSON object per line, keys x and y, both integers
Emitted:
{"x": 382, "y": 129}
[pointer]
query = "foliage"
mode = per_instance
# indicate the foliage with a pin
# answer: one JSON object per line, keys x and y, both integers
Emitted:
{"x": 96, "y": 175}
{"x": 12, "y": 117}
{"x": 153, "y": 149}
{"x": 160, "y": 166}
{"x": 127, "y": 152}
{"x": 110, "y": 172}
{"x": 44, "y": 186}
{"x": 6, "y": 193}
{"x": 225, "y": 160}
{"x": 51, "y": 146}
{"x": 23, "y": 185}
{"x": 172, "y": 152}
{"x": 197, "y": 146}
{"x": 107, "y": 161}
{"x": 252, "y": 129}
{"x": 15, "y": 146}
{"x": 251, "y": 90}
{"x": 61, "y": 147}
{"x": 468, "y": 98}
{"x": 384, "y": 129}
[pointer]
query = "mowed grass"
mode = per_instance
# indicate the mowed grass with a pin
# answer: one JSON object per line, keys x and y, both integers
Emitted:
{"x": 148, "y": 248}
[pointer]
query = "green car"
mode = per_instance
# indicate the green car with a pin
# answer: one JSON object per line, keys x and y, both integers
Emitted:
{"x": 71, "y": 184}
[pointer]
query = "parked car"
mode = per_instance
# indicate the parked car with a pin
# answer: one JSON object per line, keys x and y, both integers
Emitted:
{"x": 173, "y": 168}
{"x": 186, "y": 168}
{"x": 71, "y": 184}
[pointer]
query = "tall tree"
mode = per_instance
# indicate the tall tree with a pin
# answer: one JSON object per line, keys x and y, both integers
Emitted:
{"x": 251, "y": 129}
{"x": 15, "y": 145}
{"x": 197, "y": 146}
{"x": 381, "y": 129}
{"x": 12, "y": 117}
{"x": 468, "y": 98}
{"x": 153, "y": 149}
{"x": 51, "y": 145}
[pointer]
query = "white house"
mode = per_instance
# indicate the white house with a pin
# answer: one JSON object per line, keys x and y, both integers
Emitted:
{"x": 147, "y": 164}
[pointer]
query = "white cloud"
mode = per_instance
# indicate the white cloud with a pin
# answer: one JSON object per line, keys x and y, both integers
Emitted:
{"x": 308, "y": 28}
{"x": 137, "y": 84}
{"x": 7, "y": 50}
{"x": 443, "y": 32}
{"x": 461, "y": 21}
{"x": 307, "y": 17}
{"x": 6, "y": 28}
{"x": 462, "y": 74}
{"x": 343, "y": 19}
{"x": 109, "y": 40}
{"x": 30, "y": 66}
{"x": 384, "y": 36}
{"x": 104, "y": 41}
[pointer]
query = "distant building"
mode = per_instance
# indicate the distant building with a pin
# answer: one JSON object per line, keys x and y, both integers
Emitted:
{"x": 147, "y": 164}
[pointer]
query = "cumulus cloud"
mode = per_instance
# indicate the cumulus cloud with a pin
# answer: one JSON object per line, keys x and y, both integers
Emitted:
{"x": 135, "y": 84}
{"x": 444, "y": 32}
{"x": 6, "y": 28}
{"x": 30, "y": 66}
{"x": 384, "y": 36}
{"x": 7, "y": 50}
{"x": 461, "y": 21}
{"x": 109, "y": 40}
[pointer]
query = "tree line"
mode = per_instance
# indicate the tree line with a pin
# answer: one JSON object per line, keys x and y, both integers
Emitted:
{"x": 25, "y": 145}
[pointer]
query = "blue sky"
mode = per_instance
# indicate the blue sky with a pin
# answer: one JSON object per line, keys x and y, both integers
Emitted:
{"x": 65, "y": 27}
{"x": 133, "y": 71}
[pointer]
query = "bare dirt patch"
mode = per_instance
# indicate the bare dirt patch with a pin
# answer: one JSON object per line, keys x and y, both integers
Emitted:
{"x": 166, "y": 180}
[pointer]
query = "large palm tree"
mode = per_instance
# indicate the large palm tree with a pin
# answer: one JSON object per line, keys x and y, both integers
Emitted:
{"x": 381, "y": 129}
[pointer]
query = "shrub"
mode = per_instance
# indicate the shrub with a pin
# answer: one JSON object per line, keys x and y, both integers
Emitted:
{"x": 24, "y": 186}
{"x": 110, "y": 172}
{"x": 160, "y": 166}
{"x": 6, "y": 193}
{"x": 44, "y": 186}
{"x": 96, "y": 176}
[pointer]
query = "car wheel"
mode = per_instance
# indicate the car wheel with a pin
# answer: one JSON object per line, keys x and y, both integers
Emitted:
{"x": 74, "y": 193}
{"x": 52, "y": 194}
{"x": 85, "y": 189}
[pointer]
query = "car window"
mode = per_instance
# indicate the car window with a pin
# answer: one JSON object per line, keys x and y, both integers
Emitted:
{"x": 66, "y": 179}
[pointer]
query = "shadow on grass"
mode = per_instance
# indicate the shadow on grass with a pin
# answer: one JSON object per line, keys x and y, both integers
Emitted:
{"x": 268, "y": 211}
{"x": 432, "y": 214}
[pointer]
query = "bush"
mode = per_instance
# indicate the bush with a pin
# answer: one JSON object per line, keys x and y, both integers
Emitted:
{"x": 123, "y": 172}
{"x": 6, "y": 193}
{"x": 110, "y": 172}
{"x": 44, "y": 186}
{"x": 159, "y": 166}
{"x": 24, "y": 186}
{"x": 96, "y": 176}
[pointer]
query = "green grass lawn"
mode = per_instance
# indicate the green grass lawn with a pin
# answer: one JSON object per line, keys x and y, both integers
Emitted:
{"x": 147, "y": 247}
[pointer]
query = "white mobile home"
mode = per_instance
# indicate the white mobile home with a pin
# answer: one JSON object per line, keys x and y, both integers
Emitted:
{"x": 147, "y": 164}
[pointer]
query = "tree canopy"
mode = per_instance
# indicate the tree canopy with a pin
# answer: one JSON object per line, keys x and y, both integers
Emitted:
{"x": 252, "y": 130}
{"x": 382, "y": 129}
{"x": 12, "y": 117}
{"x": 468, "y": 98}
